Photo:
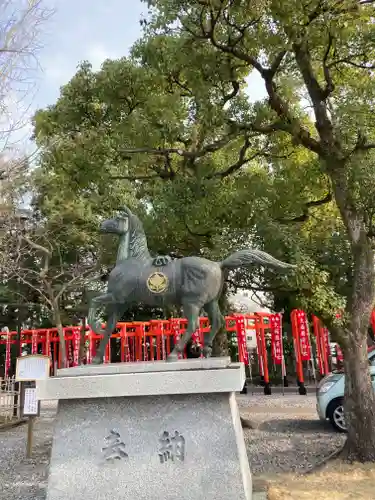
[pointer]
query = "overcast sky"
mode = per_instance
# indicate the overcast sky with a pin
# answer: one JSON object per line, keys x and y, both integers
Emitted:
{"x": 84, "y": 29}
{"x": 92, "y": 30}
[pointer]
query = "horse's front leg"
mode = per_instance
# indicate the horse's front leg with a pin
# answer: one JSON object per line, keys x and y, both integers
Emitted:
{"x": 96, "y": 303}
{"x": 113, "y": 317}
{"x": 191, "y": 312}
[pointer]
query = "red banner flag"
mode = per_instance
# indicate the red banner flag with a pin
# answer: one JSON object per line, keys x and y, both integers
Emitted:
{"x": 196, "y": 337}
{"x": 34, "y": 343}
{"x": 339, "y": 354}
{"x": 76, "y": 342}
{"x": 327, "y": 348}
{"x": 243, "y": 355}
{"x": 322, "y": 345}
{"x": 276, "y": 339}
{"x": 176, "y": 329}
{"x": 303, "y": 332}
{"x": 7, "y": 355}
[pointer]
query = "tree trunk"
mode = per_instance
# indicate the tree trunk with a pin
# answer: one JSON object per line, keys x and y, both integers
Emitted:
{"x": 359, "y": 393}
{"x": 59, "y": 326}
{"x": 359, "y": 403}
{"x": 220, "y": 345}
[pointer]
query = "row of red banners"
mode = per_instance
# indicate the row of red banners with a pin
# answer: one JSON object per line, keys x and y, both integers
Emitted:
{"x": 260, "y": 323}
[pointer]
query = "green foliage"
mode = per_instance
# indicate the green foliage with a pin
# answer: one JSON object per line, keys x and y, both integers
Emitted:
{"x": 172, "y": 132}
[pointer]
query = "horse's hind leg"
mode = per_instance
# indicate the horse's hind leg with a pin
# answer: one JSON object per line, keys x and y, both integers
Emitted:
{"x": 191, "y": 312}
{"x": 216, "y": 321}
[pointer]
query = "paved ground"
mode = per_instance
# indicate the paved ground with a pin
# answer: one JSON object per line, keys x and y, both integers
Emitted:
{"x": 288, "y": 437}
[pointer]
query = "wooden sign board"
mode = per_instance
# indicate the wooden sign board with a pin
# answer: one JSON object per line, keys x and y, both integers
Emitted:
{"x": 31, "y": 405}
{"x": 251, "y": 338}
{"x": 32, "y": 367}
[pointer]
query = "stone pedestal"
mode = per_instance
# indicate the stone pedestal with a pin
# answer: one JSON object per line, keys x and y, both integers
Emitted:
{"x": 148, "y": 431}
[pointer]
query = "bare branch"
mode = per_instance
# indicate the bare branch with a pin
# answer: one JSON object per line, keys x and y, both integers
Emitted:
{"x": 72, "y": 282}
{"x": 36, "y": 246}
{"x": 47, "y": 254}
{"x": 20, "y": 29}
{"x": 35, "y": 288}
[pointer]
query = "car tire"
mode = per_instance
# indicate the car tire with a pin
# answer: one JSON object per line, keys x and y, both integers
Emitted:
{"x": 335, "y": 413}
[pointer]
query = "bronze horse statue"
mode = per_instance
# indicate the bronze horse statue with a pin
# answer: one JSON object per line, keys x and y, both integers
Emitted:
{"x": 194, "y": 283}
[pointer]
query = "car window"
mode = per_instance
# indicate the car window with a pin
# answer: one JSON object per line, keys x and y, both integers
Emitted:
{"x": 371, "y": 360}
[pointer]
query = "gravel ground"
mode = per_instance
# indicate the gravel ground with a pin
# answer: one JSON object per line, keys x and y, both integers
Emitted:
{"x": 288, "y": 437}
{"x": 22, "y": 478}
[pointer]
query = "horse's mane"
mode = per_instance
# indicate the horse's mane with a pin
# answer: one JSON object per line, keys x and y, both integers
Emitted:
{"x": 138, "y": 242}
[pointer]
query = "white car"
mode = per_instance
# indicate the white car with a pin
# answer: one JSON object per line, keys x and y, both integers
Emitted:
{"x": 330, "y": 396}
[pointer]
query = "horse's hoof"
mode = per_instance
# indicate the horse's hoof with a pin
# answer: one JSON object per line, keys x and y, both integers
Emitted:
{"x": 172, "y": 357}
{"x": 98, "y": 360}
{"x": 207, "y": 351}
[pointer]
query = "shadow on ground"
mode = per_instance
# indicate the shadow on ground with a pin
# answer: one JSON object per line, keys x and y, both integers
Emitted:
{"x": 302, "y": 426}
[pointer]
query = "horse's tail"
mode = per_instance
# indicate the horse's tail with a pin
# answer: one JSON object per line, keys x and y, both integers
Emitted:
{"x": 244, "y": 258}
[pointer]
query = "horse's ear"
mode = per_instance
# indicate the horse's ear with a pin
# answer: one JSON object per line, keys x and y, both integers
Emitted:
{"x": 126, "y": 210}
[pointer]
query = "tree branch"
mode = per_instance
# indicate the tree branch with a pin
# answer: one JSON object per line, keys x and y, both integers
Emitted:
{"x": 231, "y": 95}
{"x": 207, "y": 234}
{"x": 348, "y": 61}
{"x": 368, "y": 146}
{"x": 242, "y": 160}
{"x": 209, "y": 34}
{"x": 210, "y": 148}
{"x": 260, "y": 288}
{"x": 39, "y": 248}
{"x": 362, "y": 144}
{"x": 157, "y": 151}
{"x": 316, "y": 93}
{"x": 174, "y": 79}
{"x": 330, "y": 87}
{"x": 275, "y": 66}
{"x": 305, "y": 212}
{"x": 71, "y": 282}
{"x": 36, "y": 289}
{"x": 144, "y": 178}
{"x": 36, "y": 246}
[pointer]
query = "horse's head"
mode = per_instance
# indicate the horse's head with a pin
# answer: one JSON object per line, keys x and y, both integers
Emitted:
{"x": 117, "y": 225}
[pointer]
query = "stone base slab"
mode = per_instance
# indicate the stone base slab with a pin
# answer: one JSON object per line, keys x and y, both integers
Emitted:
{"x": 147, "y": 367}
{"x": 111, "y": 449}
{"x": 123, "y": 380}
